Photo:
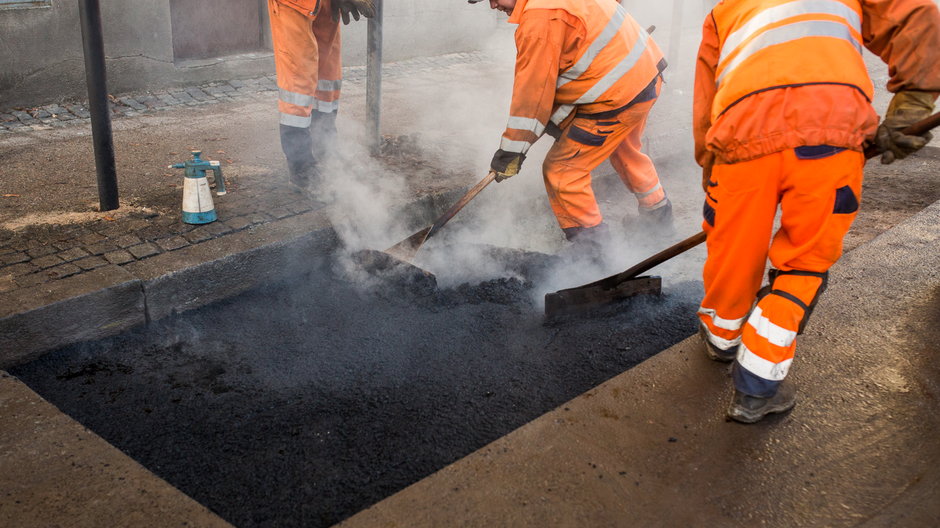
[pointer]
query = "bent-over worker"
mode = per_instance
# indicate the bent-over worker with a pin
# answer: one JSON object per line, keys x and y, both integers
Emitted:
{"x": 587, "y": 74}
{"x": 781, "y": 113}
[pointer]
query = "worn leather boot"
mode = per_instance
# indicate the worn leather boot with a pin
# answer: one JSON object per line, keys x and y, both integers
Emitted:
{"x": 745, "y": 408}
{"x": 657, "y": 221}
{"x": 305, "y": 178}
{"x": 587, "y": 243}
{"x": 304, "y": 170}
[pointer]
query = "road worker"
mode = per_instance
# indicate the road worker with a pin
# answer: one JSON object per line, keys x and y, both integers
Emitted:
{"x": 587, "y": 74}
{"x": 307, "y": 61}
{"x": 782, "y": 110}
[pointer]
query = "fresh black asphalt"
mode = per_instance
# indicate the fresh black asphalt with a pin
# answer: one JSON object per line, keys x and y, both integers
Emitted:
{"x": 302, "y": 404}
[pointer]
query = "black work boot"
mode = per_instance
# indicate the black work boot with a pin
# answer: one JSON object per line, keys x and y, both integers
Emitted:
{"x": 305, "y": 178}
{"x": 323, "y": 135}
{"x": 587, "y": 243}
{"x": 745, "y": 408}
{"x": 656, "y": 221}
{"x": 302, "y": 165}
{"x": 714, "y": 352}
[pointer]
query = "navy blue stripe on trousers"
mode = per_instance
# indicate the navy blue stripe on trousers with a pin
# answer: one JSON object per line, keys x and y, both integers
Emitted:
{"x": 752, "y": 384}
{"x": 708, "y": 213}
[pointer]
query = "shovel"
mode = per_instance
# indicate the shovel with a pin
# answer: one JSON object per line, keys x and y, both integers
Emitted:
{"x": 616, "y": 287}
{"x": 626, "y": 283}
{"x": 408, "y": 248}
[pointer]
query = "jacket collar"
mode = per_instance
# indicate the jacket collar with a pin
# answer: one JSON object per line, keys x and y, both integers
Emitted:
{"x": 516, "y": 15}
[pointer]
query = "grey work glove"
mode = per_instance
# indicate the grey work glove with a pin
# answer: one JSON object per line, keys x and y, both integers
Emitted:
{"x": 344, "y": 8}
{"x": 905, "y": 109}
{"x": 506, "y": 164}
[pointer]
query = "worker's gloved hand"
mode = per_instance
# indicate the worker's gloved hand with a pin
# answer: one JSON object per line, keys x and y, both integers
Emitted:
{"x": 905, "y": 109}
{"x": 344, "y": 8}
{"x": 506, "y": 164}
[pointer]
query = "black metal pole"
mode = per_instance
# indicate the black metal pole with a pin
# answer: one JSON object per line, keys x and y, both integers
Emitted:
{"x": 96, "y": 79}
{"x": 374, "y": 78}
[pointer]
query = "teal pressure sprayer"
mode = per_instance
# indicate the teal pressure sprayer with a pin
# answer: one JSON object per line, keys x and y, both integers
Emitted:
{"x": 197, "y": 198}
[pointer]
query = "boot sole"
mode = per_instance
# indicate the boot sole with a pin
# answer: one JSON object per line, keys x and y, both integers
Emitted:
{"x": 744, "y": 416}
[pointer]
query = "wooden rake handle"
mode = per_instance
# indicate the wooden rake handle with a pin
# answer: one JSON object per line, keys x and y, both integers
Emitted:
{"x": 454, "y": 209}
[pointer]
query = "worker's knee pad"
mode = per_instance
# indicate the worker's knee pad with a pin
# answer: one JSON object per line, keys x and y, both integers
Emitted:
{"x": 769, "y": 289}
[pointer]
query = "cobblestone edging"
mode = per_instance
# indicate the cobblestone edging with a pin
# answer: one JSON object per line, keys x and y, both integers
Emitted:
{"x": 50, "y": 116}
{"x": 41, "y": 254}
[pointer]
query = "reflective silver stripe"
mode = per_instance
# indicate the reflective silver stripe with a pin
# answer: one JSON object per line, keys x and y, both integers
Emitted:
{"x": 790, "y": 32}
{"x": 329, "y": 86}
{"x": 636, "y": 51}
{"x": 720, "y": 342}
{"x": 649, "y": 192}
{"x": 326, "y": 106}
{"x": 761, "y": 367}
{"x": 657, "y": 205}
{"x": 529, "y": 124}
{"x": 609, "y": 32}
{"x": 518, "y": 147}
{"x": 561, "y": 113}
{"x": 294, "y": 98}
{"x": 295, "y": 121}
{"x": 785, "y": 11}
{"x": 774, "y": 334}
{"x": 724, "y": 324}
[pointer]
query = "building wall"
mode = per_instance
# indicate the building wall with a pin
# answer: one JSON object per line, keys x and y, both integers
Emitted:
{"x": 41, "y": 57}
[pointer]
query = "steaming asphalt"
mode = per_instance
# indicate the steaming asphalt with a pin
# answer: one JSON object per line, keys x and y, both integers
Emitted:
{"x": 301, "y": 405}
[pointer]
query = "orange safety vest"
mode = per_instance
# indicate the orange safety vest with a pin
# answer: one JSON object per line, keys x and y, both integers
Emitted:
{"x": 761, "y": 43}
{"x": 616, "y": 61}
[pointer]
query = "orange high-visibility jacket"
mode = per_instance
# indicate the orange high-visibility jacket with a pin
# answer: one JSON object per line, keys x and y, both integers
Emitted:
{"x": 588, "y": 55}
{"x": 778, "y": 74}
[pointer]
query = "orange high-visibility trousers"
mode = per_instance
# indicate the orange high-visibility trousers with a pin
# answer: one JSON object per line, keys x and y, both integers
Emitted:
{"x": 307, "y": 62}
{"x": 818, "y": 190}
{"x": 586, "y": 143}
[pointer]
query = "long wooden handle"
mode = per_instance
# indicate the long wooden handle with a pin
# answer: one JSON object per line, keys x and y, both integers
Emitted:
{"x": 657, "y": 259}
{"x": 454, "y": 209}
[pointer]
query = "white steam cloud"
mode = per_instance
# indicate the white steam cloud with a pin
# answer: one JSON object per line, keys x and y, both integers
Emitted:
{"x": 458, "y": 115}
